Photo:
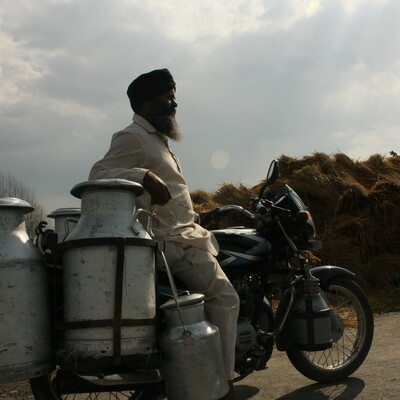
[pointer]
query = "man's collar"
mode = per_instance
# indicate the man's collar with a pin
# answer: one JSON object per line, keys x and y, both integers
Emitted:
{"x": 144, "y": 123}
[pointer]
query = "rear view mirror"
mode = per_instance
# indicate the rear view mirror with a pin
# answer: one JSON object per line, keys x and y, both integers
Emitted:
{"x": 272, "y": 176}
{"x": 273, "y": 173}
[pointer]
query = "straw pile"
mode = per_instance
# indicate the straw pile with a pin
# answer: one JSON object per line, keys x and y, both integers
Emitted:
{"x": 356, "y": 209}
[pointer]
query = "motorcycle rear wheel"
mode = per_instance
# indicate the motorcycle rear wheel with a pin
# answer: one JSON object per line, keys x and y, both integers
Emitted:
{"x": 44, "y": 388}
{"x": 348, "y": 352}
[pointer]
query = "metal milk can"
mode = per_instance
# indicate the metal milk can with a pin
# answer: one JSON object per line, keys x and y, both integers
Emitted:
{"x": 25, "y": 332}
{"x": 65, "y": 220}
{"x": 310, "y": 322}
{"x": 191, "y": 352}
{"x": 109, "y": 275}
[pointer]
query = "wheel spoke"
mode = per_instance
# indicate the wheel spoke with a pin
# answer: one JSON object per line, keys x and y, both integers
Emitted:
{"x": 114, "y": 395}
{"x": 99, "y": 396}
{"x": 345, "y": 306}
{"x": 46, "y": 387}
{"x": 352, "y": 330}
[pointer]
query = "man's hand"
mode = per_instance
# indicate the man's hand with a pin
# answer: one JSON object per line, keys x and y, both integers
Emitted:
{"x": 206, "y": 217}
{"x": 157, "y": 188}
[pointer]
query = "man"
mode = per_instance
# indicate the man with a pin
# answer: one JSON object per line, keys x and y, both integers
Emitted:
{"x": 141, "y": 154}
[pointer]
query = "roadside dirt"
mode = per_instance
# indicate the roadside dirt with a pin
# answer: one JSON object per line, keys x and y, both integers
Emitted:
{"x": 16, "y": 391}
{"x": 377, "y": 379}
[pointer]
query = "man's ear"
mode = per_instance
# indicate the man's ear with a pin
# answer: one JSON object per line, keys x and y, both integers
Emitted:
{"x": 147, "y": 105}
{"x": 143, "y": 109}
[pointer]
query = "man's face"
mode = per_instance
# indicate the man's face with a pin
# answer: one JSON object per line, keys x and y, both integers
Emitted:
{"x": 162, "y": 115}
{"x": 166, "y": 101}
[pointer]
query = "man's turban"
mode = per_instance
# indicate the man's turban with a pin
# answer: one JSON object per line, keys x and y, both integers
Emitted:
{"x": 150, "y": 85}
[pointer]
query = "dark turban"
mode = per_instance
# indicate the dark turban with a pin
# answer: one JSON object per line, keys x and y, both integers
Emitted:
{"x": 150, "y": 85}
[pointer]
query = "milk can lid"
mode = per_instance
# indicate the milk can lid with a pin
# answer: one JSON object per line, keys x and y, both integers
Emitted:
{"x": 13, "y": 202}
{"x": 184, "y": 301}
{"x": 107, "y": 184}
{"x": 64, "y": 212}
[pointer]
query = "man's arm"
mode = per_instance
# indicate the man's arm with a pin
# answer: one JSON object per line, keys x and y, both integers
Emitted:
{"x": 157, "y": 188}
{"x": 125, "y": 160}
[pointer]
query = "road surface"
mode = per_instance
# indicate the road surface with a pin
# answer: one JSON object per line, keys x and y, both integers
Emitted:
{"x": 377, "y": 379}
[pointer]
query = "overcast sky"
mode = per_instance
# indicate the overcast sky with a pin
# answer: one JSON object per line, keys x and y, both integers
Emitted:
{"x": 255, "y": 79}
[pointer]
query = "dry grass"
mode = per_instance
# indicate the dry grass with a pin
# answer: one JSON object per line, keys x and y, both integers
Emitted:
{"x": 356, "y": 207}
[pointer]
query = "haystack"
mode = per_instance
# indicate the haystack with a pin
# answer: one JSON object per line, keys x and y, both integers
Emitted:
{"x": 356, "y": 208}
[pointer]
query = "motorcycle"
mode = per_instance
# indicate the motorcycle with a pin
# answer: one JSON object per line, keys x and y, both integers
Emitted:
{"x": 284, "y": 301}
{"x": 318, "y": 315}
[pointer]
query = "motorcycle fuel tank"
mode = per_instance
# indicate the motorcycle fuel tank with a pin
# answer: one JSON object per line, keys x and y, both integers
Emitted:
{"x": 25, "y": 332}
{"x": 240, "y": 247}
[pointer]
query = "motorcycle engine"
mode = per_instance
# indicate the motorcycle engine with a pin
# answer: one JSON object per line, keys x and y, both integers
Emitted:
{"x": 246, "y": 337}
{"x": 253, "y": 347}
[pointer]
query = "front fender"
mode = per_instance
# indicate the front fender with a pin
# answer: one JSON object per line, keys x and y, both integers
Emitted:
{"x": 325, "y": 273}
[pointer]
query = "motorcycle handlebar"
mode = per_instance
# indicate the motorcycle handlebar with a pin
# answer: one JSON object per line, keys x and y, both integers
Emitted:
{"x": 239, "y": 209}
{"x": 262, "y": 208}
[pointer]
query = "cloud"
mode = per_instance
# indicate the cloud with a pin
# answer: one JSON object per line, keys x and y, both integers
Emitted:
{"x": 201, "y": 21}
{"x": 360, "y": 145}
{"x": 256, "y": 78}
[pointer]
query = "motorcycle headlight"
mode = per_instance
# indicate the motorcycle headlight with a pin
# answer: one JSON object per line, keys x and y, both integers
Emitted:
{"x": 305, "y": 228}
{"x": 300, "y": 225}
{"x": 302, "y": 217}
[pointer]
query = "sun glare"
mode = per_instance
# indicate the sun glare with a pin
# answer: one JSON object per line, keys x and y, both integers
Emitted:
{"x": 220, "y": 159}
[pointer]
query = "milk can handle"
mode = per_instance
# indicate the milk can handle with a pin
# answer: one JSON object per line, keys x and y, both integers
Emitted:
{"x": 174, "y": 293}
{"x": 66, "y": 226}
{"x": 150, "y": 218}
{"x": 170, "y": 277}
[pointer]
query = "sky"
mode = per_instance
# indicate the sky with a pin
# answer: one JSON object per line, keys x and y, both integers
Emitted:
{"x": 255, "y": 79}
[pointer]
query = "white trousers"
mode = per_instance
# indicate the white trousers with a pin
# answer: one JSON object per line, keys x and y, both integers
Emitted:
{"x": 201, "y": 273}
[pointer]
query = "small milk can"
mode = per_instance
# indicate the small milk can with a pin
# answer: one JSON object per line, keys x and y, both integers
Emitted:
{"x": 191, "y": 352}
{"x": 25, "y": 332}
{"x": 65, "y": 220}
{"x": 109, "y": 275}
{"x": 310, "y": 323}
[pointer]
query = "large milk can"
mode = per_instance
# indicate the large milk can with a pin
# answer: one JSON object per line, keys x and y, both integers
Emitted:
{"x": 25, "y": 333}
{"x": 191, "y": 352}
{"x": 65, "y": 220}
{"x": 109, "y": 275}
{"x": 310, "y": 318}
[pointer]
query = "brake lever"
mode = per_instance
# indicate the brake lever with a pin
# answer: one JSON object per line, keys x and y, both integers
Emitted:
{"x": 263, "y": 205}
{"x": 281, "y": 210}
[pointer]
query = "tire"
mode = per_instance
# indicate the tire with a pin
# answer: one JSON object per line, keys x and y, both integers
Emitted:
{"x": 350, "y": 349}
{"x": 45, "y": 388}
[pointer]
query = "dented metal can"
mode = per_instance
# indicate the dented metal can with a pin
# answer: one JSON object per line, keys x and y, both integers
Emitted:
{"x": 65, "y": 220}
{"x": 109, "y": 276}
{"x": 25, "y": 328}
{"x": 191, "y": 352}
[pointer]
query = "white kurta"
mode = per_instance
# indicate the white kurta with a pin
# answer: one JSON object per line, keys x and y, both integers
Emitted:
{"x": 189, "y": 248}
{"x": 138, "y": 149}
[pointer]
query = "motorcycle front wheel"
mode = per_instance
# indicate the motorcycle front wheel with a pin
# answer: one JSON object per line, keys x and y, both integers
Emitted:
{"x": 354, "y": 315}
{"x": 46, "y": 388}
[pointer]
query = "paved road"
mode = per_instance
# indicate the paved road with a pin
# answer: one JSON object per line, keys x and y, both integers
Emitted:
{"x": 377, "y": 379}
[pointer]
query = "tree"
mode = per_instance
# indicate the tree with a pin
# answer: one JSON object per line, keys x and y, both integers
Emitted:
{"x": 12, "y": 187}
